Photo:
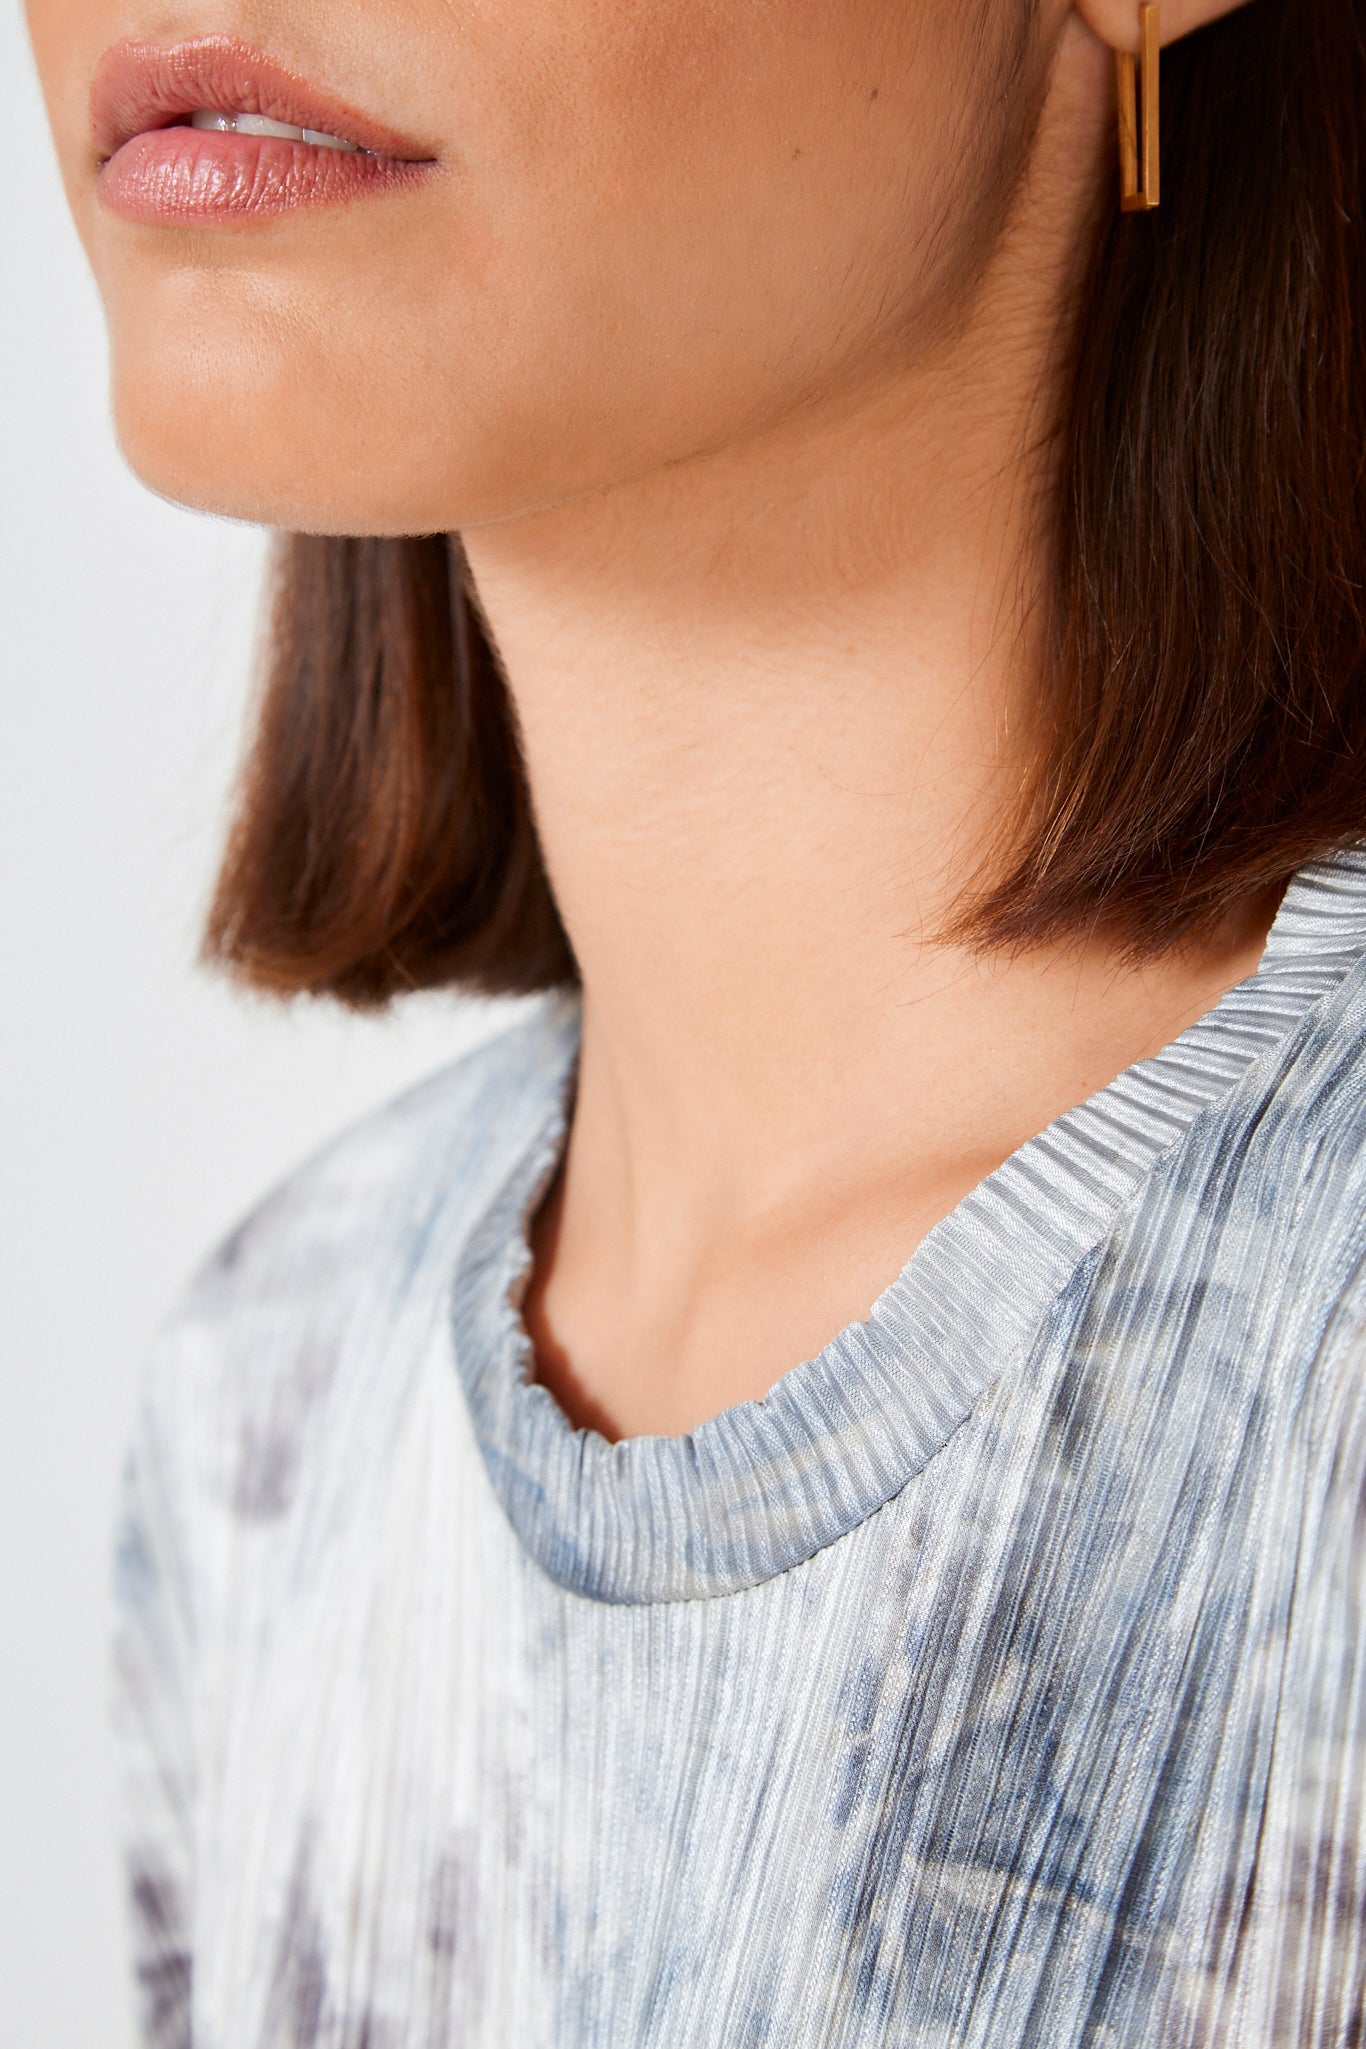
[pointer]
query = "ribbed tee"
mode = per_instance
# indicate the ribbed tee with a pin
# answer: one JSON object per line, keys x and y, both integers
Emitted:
{"x": 998, "y": 1680}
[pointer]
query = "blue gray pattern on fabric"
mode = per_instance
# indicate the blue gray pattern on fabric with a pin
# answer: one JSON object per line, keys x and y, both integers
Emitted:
{"x": 999, "y": 1680}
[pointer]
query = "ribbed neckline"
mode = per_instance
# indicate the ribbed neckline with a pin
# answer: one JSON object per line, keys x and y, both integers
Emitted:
{"x": 766, "y": 1484}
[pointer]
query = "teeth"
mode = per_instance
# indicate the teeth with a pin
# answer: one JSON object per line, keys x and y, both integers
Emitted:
{"x": 321, "y": 141}
{"x": 260, "y": 124}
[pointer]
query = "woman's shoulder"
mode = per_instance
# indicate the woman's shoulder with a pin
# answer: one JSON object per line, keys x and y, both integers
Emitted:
{"x": 1302, "y": 1122}
{"x": 1276, "y": 1199}
{"x": 445, "y": 1141}
{"x": 342, "y": 1253}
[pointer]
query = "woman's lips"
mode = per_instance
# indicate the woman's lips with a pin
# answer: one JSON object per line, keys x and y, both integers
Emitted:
{"x": 153, "y": 166}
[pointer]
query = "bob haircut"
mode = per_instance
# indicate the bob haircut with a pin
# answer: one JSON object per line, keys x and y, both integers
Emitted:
{"x": 1203, "y": 731}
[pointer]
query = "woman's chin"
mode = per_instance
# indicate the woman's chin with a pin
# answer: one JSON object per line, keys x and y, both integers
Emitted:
{"x": 236, "y": 494}
{"x": 222, "y": 456}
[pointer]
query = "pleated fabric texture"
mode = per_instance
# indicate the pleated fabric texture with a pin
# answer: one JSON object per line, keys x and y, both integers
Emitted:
{"x": 999, "y": 1680}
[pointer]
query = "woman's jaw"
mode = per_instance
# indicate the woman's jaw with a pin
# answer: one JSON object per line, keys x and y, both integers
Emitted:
{"x": 577, "y": 240}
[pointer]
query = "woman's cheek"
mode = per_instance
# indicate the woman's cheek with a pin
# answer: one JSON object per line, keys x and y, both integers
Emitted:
{"x": 650, "y": 229}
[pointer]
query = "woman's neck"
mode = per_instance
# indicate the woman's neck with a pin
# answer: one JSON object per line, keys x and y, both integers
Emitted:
{"x": 776, "y": 705}
{"x": 768, "y": 735}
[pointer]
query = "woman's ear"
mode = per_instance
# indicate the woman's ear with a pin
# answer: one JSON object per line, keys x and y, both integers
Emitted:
{"x": 1116, "y": 21}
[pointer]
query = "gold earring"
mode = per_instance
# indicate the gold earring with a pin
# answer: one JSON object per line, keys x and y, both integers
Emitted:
{"x": 1139, "y": 147}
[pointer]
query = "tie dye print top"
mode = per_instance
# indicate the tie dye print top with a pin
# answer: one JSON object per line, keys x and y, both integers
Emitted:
{"x": 999, "y": 1680}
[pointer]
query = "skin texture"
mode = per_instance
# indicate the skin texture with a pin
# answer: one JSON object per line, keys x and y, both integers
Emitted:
{"x": 652, "y": 227}
{"x": 727, "y": 333}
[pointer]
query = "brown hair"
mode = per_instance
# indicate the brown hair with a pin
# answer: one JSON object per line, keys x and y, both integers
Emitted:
{"x": 1205, "y": 728}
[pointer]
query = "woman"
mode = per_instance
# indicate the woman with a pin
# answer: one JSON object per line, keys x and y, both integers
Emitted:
{"x": 895, "y": 705}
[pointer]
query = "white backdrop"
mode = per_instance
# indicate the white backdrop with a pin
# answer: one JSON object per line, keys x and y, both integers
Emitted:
{"x": 144, "y": 1107}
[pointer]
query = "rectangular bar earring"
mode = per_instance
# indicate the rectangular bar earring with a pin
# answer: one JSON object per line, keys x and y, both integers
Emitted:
{"x": 1139, "y": 146}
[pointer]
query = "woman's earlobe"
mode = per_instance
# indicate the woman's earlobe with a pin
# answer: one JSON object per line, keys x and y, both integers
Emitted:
{"x": 1118, "y": 22}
